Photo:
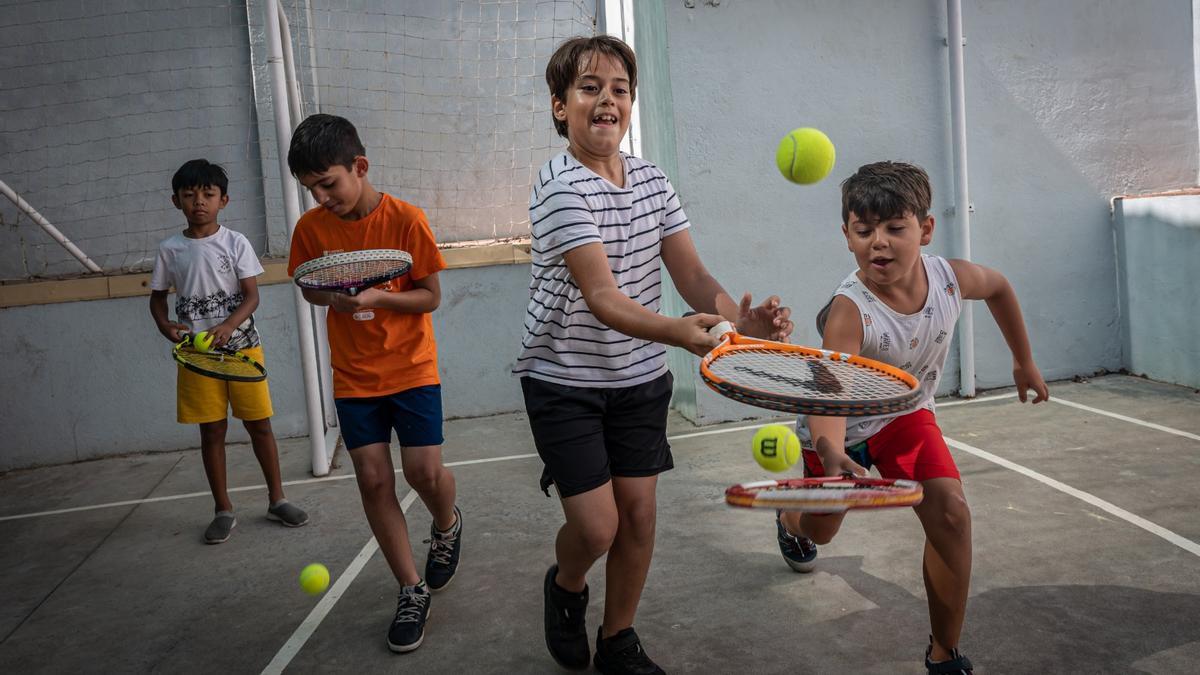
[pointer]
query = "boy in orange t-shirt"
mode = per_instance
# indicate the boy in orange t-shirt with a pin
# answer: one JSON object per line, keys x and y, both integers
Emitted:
{"x": 384, "y": 356}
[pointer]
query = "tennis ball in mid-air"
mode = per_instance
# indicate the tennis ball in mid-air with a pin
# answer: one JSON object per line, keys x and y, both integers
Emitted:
{"x": 805, "y": 155}
{"x": 314, "y": 578}
{"x": 776, "y": 448}
{"x": 202, "y": 342}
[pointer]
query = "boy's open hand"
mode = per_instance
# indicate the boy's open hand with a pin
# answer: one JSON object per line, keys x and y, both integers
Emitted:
{"x": 1028, "y": 377}
{"x": 768, "y": 320}
{"x": 344, "y": 302}
{"x": 691, "y": 333}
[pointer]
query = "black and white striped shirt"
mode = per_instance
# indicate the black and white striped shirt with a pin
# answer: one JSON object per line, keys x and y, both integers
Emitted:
{"x": 570, "y": 206}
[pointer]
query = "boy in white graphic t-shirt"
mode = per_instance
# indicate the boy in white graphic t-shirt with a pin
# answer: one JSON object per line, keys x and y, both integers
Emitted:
{"x": 900, "y": 307}
{"x": 213, "y": 270}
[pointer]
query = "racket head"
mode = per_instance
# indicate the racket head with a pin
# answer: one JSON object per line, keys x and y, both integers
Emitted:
{"x": 805, "y": 380}
{"x": 352, "y": 271}
{"x": 217, "y": 363}
{"x": 834, "y": 494}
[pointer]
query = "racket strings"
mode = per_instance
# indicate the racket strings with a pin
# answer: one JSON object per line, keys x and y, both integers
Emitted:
{"x": 218, "y": 363}
{"x": 356, "y": 272}
{"x": 794, "y": 374}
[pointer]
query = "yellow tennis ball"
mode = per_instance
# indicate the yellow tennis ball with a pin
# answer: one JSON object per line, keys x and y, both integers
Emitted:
{"x": 202, "y": 342}
{"x": 314, "y": 578}
{"x": 776, "y": 447}
{"x": 805, "y": 156}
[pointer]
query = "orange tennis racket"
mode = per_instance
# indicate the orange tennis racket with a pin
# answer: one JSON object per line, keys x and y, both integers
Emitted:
{"x": 804, "y": 380}
{"x": 825, "y": 495}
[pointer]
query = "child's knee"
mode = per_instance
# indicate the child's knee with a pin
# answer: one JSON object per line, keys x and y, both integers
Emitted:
{"x": 952, "y": 516}
{"x": 375, "y": 482}
{"x": 639, "y": 522}
{"x": 258, "y": 427}
{"x": 598, "y": 538}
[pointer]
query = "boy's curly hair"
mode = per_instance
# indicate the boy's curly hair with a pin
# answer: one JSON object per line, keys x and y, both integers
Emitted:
{"x": 322, "y": 141}
{"x": 573, "y": 55}
{"x": 886, "y": 190}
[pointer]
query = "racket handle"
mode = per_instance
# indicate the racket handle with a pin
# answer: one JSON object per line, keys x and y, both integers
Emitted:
{"x": 718, "y": 331}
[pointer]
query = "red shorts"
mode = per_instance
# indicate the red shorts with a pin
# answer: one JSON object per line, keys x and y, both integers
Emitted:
{"x": 910, "y": 446}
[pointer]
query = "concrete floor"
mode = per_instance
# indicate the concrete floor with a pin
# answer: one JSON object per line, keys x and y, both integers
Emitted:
{"x": 1070, "y": 573}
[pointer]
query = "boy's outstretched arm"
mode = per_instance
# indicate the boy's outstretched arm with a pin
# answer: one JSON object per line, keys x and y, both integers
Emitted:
{"x": 158, "y": 309}
{"x": 588, "y": 265}
{"x": 843, "y": 333}
{"x": 704, "y": 293}
{"x": 977, "y": 282}
{"x": 223, "y": 331}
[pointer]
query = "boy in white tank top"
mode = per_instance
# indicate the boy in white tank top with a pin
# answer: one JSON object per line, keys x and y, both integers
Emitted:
{"x": 900, "y": 307}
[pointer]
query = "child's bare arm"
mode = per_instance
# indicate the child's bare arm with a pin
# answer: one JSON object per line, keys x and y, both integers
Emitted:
{"x": 223, "y": 331}
{"x": 588, "y": 265}
{"x": 158, "y": 310}
{"x": 977, "y": 282}
{"x": 843, "y": 333}
{"x": 704, "y": 293}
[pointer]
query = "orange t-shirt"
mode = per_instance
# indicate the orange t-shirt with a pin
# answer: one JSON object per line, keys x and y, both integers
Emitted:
{"x": 376, "y": 352}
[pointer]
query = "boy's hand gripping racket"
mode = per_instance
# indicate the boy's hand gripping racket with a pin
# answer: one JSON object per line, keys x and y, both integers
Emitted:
{"x": 804, "y": 380}
{"x": 353, "y": 271}
{"x": 825, "y": 495}
{"x": 218, "y": 363}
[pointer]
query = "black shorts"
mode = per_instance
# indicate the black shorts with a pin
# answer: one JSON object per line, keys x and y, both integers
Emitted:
{"x": 587, "y": 435}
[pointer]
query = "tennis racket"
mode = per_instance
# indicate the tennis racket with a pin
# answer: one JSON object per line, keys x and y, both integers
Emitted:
{"x": 353, "y": 271}
{"x": 825, "y": 495}
{"x": 218, "y": 363}
{"x": 804, "y": 380}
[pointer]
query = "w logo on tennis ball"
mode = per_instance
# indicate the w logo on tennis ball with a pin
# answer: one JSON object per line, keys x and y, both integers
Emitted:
{"x": 769, "y": 447}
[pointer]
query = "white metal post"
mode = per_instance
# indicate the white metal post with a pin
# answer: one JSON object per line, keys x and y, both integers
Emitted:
{"x": 962, "y": 199}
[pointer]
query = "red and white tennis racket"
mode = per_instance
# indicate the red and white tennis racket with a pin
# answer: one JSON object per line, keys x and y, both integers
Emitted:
{"x": 804, "y": 380}
{"x": 825, "y": 495}
{"x": 352, "y": 271}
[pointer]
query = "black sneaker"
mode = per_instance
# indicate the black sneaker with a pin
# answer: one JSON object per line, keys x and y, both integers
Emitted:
{"x": 566, "y": 633}
{"x": 445, "y": 548}
{"x": 408, "y": 628}
{"x": 622, "y": 654}
{"x": 958, "y": 665}
{"x": 800, "y": 553}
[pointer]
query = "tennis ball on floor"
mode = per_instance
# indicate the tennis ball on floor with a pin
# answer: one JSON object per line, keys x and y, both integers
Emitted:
{"x": 805, "y": 156}
{"x": 314, "y": 578}
{"x": 202, "y": 342}
{"x": 776, "y": 448}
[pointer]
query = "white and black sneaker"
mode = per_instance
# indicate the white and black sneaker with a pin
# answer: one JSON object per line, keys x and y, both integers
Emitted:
{"x": 445, "y": 549}
{"x": 408, "y": 628}
{"x": 799, "y": 552}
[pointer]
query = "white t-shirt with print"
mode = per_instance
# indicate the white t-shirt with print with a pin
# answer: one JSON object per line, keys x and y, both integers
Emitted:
{"x": 206, "y": 274}
{"x": 918, "y": 343}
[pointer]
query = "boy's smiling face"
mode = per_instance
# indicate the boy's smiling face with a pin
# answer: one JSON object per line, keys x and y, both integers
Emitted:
{"x": 337, "y": 188}
{"x": 597, "y": 107}
{"x": 887, "y": 250}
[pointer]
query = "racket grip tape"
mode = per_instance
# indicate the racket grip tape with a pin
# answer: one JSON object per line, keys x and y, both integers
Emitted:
{"x": 718, "y": 331}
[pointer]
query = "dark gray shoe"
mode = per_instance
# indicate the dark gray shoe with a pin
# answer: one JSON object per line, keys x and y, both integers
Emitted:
{"x": 219, "y": 529}
{"x": 408, "y": 628}
{"x": 565, "y": 623}
{"x": 287, "y": 513}
{"x": 445, "y": 550}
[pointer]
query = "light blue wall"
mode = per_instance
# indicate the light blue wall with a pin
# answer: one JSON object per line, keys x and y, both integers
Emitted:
{"x": 70, "y": 396}
{"x": 1068, "y": 104}
{"x": 1158, "y": 244}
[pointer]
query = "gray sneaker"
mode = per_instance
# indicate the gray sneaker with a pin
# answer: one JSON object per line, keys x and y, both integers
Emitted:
{"x": 219, "y": 529}
{"x": 287, "y": 513}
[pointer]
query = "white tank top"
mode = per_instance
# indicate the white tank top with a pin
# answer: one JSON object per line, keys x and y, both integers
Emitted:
{"x": 917, "y": 343}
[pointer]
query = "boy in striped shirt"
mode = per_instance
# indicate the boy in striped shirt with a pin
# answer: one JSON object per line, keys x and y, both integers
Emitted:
{"x": 593, "y": 363}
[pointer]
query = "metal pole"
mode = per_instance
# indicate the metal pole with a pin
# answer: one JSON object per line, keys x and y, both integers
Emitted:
{"x": 962, "y": 199}
{"x": 50, "y": 229}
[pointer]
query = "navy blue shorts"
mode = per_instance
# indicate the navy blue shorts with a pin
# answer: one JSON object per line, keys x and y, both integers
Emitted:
{"x": 587, "y": 435}
{"x": 415, "y": 414}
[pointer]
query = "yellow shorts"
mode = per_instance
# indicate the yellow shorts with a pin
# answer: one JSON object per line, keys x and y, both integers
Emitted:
{"x": 201, "y": 399}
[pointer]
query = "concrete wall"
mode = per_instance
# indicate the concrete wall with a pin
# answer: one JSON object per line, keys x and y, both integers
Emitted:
{"x": 1068, "y": 104}
{"x": 1158, "y": 244}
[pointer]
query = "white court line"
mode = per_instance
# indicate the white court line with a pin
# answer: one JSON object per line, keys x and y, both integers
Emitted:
{"x": 1157, "y": 530}
{"x": 309, "y": 626}
{"x": 981, "y": 399}
{"x": 1125, "y": 418}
